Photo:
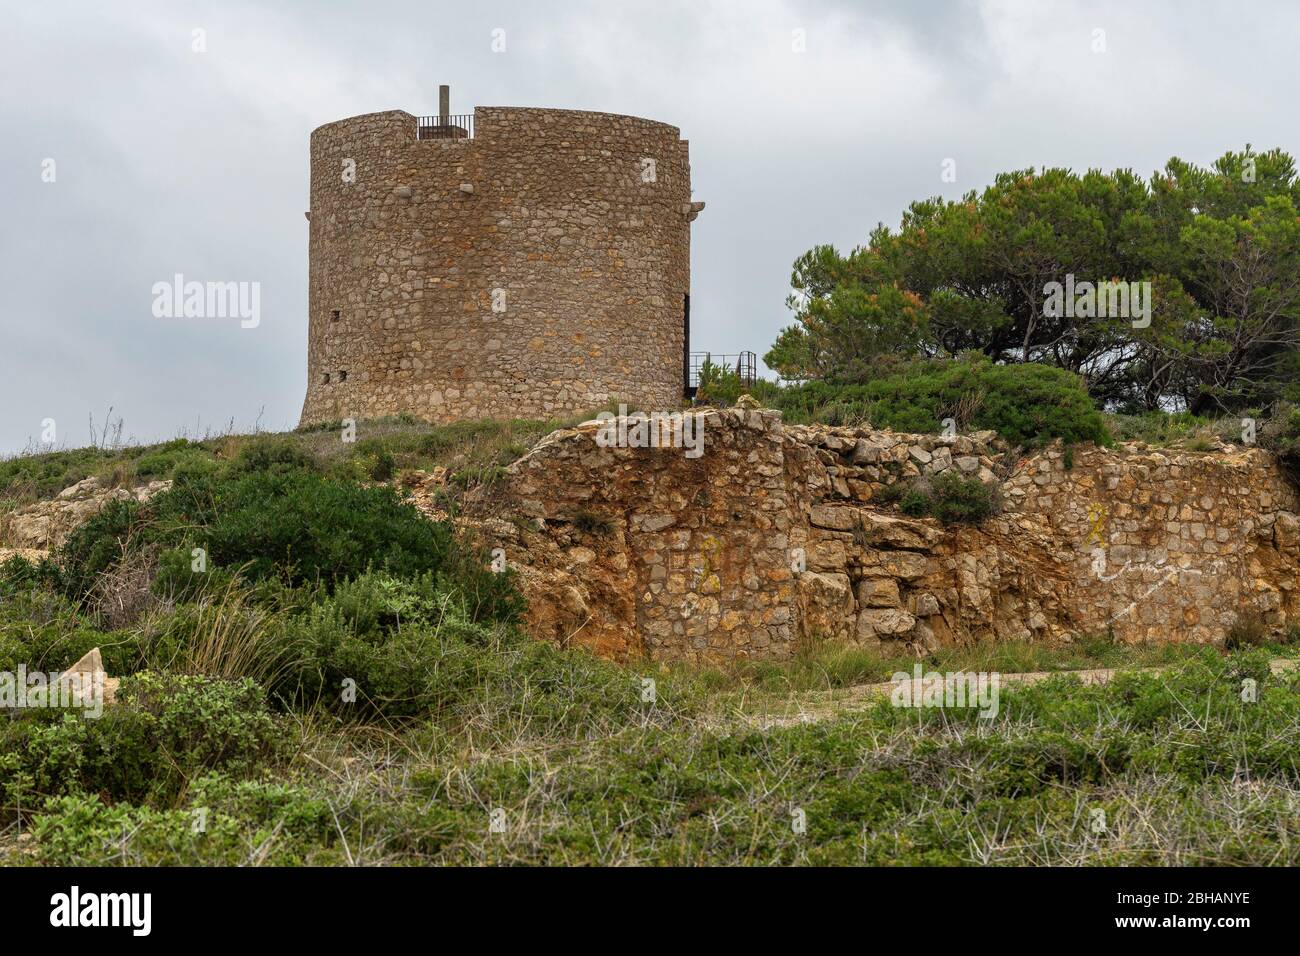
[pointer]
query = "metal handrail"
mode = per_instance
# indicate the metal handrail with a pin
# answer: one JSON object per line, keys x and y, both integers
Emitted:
{"x": 744, "y": 364}
{"x": 454, "y": 126}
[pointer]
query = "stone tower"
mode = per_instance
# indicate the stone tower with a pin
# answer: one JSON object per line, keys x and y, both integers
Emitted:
{"x": 519, "y": 263}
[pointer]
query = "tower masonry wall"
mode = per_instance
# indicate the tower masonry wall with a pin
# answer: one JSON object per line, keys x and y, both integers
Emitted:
{"x": 538, "y": 268}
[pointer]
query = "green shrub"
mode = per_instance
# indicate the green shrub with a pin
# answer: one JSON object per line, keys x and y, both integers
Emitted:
{"x": 42, "y": 630}
{"x": 18, "y": 575}
{"x": 914, "y": 502}
{"x": 383, "y": 466}
{"x": 1025, "y": 403}
{"x": 1156, "y": 427}
{"x": 410, "y": 650}
{"x": 377, "y": 602}
{"x": 99, "y": 543}
{"x": 951, "y": 498}
{"x": 893, "y": 494}
{"x": 445, "y": 438}
{"x": 162, "y": 461}
{"x": 477, "y": 477}
{"x": 372, "y": 459}
{"x": 295, "y": 525}
{"x": 243, "y": 821}
{"x": 45, "y": 475}
{"x": 721, "y": 386}
{"x": 163, "y": 731}
{"x": 963, "y": 500}
{"x": 334, "y": 425}
{"x": 176, "y": 580}
{"x": 272, "y": 453}
{"x": 363, "y": 670}
{"x": 272, "y": 523}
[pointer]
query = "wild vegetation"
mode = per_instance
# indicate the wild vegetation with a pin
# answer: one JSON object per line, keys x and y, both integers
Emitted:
{"x": 470, "y": 725}
{"x": 303, "y": 701}
{"x": 384, "y": 449}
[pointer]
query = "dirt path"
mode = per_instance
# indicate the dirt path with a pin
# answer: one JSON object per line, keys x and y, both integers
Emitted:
{"x": 823, "y": 705}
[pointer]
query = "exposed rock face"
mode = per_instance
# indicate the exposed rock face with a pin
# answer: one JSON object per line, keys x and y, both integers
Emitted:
{"x": 675, "y": 557}
{"x": 777, "y": 534}
{"x": 34, "y": 555}
{"x": 45, "y": 525}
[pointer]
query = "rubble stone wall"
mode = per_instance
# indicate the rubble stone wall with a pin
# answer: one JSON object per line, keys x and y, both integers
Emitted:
{"x": 778, "y": 534}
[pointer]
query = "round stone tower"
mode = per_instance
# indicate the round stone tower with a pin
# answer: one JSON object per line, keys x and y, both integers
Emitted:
{"x": 519, "y": 263}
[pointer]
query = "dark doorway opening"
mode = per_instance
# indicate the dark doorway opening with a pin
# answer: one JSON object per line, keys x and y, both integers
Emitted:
{"x": 688, "y": 390}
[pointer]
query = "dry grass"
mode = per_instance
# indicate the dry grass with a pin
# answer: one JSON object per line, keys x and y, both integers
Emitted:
{"x": 230, "y": 636}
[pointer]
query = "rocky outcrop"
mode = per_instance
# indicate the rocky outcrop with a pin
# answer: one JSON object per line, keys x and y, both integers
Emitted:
{"x": 45, "y": 525}
{"x": 780, "y": 534}
{"x": 87, "y": 683}
{"x": 34, "y": 555}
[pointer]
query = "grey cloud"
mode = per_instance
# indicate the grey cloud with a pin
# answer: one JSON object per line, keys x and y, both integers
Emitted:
{"x": 171, "y": 161}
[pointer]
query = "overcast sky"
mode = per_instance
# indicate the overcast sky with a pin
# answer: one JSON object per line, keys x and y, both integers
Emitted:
{"x": 168, "y": 160}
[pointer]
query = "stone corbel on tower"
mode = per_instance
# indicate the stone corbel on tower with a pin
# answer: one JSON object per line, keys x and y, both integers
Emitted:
{"x": 691, "y": 210}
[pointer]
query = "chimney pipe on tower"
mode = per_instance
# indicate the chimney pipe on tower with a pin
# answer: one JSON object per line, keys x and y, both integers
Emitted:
{"x": 444, "y": 105}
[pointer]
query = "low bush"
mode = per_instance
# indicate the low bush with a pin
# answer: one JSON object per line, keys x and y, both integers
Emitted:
{"x": 1162, "y": 429}
{"x": 32, "y": 477}
{"x": 162, "y": 461}
{"x": 163, "y": 731}
{"x": 721, "y": 386}
{"x": 950, "y": 498}
{"x": 18, "y": 575}
{"x": 273, "y": 454}
{"x": 225, "y": 822}
{"x": 405, "y": 648}
{"x": 457, "y": 435}
{"x": 42, "y": 629}
{"x": 291, "y": 524}
{"x": 1025, "y": 403}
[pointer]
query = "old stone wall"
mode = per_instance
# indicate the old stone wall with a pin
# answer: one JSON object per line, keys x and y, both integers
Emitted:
{"x": 694, "y": 553}
{"x": 538, "y": 268}
{"x": 779, "y": 534}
